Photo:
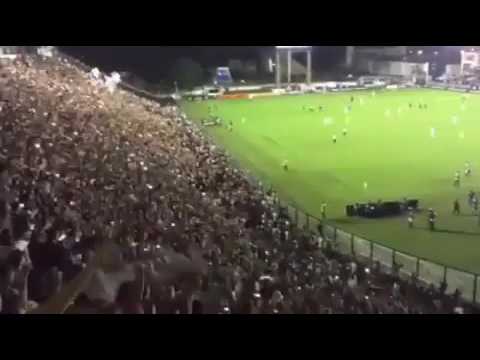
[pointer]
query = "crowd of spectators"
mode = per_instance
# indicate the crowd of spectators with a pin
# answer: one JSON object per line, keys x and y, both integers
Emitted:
{"x": 102, "y": 180}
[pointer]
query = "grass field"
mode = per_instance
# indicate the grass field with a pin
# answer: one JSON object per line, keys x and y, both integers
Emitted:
{"x": 388, "y": 146}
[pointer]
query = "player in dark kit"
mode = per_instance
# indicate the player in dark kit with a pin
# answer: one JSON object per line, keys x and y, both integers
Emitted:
{"x": 410, "y": 105}
{"x": 456, "y": 207}
{"x": 352, "y": 99}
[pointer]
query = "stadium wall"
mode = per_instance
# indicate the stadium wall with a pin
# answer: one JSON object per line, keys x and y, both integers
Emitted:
{"x": 390, "y": 68}
{"x": 453, "y": 70}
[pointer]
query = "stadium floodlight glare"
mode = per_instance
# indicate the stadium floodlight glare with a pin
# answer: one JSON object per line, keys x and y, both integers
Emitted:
{"x": 289, "y": 50}
{"x": 420, "y": 52}
{"x": 435, "y": 53}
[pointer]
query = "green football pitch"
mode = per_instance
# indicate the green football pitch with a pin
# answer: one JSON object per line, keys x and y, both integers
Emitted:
{"x": 390, "y": 152}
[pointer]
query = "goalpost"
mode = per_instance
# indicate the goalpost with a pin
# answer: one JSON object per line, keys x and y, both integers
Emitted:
{"x": 289, "y": 51}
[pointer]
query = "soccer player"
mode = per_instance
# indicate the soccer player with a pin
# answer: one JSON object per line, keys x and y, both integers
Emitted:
{"x": 334, "y": 139}
{"x": 433, "y": 132}
{"x": 410, "y": 105}
{"x": 432, "y": 217}
{"x": 320, "y": 108}
{"x": 456, "y": 207}
{"x": 456, "y": 182}
{"x": 230, "y": 126}
{"x": 475, "y": 203}
{"x": 471, "y": 196}
{"x": 411, "y": 219}
{"x": 468, "y": 169}
{"x": 352, "y": 99}
{"x": 285, "y": 165}
{"x": 323, "y": 210}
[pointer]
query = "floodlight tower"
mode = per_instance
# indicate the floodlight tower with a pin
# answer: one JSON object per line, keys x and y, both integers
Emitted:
{"x": 349, "y": 57}
{"x": 289, "y": 51}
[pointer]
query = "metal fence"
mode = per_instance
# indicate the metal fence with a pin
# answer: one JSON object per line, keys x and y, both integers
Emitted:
{"x": 368, "y": 251}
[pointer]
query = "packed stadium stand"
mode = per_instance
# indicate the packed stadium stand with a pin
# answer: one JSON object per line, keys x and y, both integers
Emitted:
{"x": 115, "y": 204}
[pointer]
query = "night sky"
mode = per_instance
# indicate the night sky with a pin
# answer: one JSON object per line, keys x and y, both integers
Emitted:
{"x": 153, "y": 62}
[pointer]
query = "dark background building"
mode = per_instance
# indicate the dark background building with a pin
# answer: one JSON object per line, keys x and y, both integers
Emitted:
{"x": 155, "y": 63}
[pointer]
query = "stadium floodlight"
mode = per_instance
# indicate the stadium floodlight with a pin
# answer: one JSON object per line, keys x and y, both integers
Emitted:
{"x": 435, "y": 53}
{"x": 420, "y": 52}
{"x": 289, "y": 50}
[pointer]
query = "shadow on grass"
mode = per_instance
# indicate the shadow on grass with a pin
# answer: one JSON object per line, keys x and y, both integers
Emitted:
{"x": 457, "y": 232}
{"x": 346, "y": 221}
{"x": 447, "y": 231}
{"x": 467, "y": 215}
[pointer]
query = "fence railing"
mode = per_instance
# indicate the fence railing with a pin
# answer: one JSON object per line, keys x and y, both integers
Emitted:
{"x": 368, "y": 251}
